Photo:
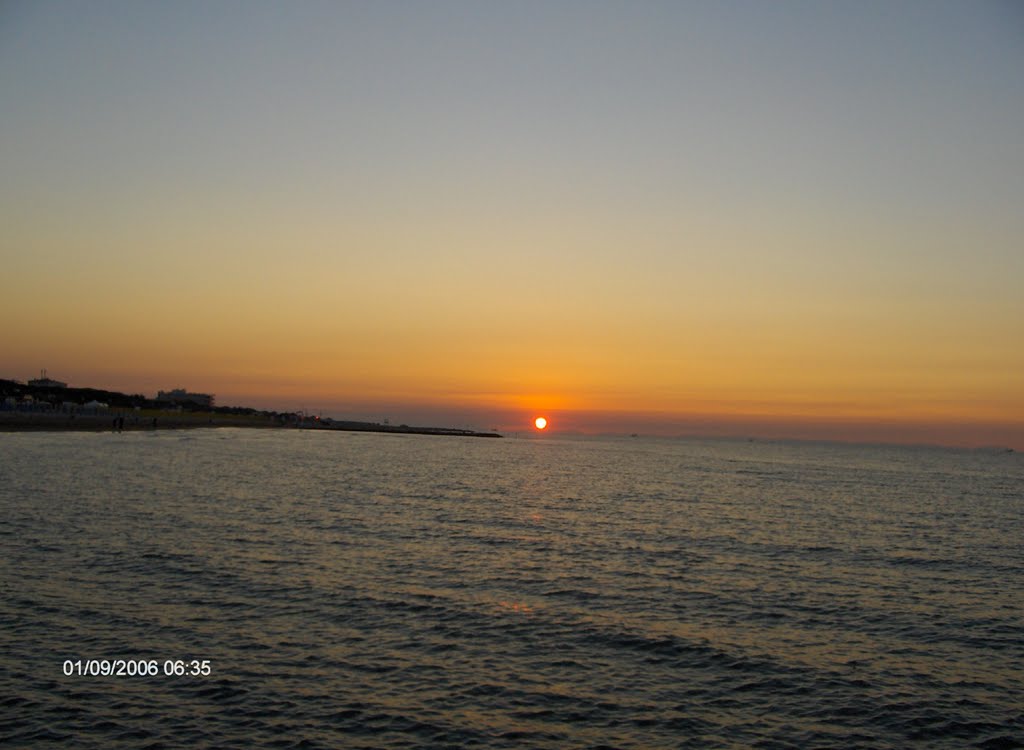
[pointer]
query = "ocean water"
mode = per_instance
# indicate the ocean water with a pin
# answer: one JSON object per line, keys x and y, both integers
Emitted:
{"x": 381, "y": 591}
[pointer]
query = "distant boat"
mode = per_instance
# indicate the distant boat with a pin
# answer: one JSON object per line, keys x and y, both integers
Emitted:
{"x": 634, "y": 435}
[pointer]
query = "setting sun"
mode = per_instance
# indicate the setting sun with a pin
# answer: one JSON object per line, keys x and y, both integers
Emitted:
{"x": 540, "y": 423}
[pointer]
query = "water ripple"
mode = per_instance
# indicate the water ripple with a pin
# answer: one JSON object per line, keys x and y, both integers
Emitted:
{"x": 407, "y": 592}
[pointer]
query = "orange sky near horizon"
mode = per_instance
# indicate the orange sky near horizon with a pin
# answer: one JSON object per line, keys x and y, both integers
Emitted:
{"x": 657, "y": 222}
{"x": 748, "y": 344}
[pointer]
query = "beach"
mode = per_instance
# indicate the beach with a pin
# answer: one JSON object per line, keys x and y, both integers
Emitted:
{"x": 151, "y": 419}
{"x": 18, "y": 421}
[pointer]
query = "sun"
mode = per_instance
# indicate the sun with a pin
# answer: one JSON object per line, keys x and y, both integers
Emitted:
{"x": 540, "y": 423}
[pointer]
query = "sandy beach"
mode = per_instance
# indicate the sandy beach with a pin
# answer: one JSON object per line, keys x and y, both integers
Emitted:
{"x": 14, "y": 421}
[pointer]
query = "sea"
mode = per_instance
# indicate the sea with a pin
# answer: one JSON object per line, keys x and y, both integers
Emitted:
{"x": 233, "y": 588}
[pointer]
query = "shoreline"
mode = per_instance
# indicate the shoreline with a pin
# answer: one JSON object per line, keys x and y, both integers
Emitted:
{"x": 14, "y": 421}
{"x": 21, "y": 422}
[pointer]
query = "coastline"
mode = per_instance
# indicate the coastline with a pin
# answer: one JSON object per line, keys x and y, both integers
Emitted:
{"x": 14, "y": 421}
{"x": 145, "y": 421}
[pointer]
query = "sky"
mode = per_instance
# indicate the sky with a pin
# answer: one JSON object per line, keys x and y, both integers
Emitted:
{"x": 791, "y": 219}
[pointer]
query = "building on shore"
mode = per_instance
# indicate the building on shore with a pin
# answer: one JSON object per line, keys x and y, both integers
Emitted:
{"x": 181, "y": 397}
{"x": 44, "y": 382}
